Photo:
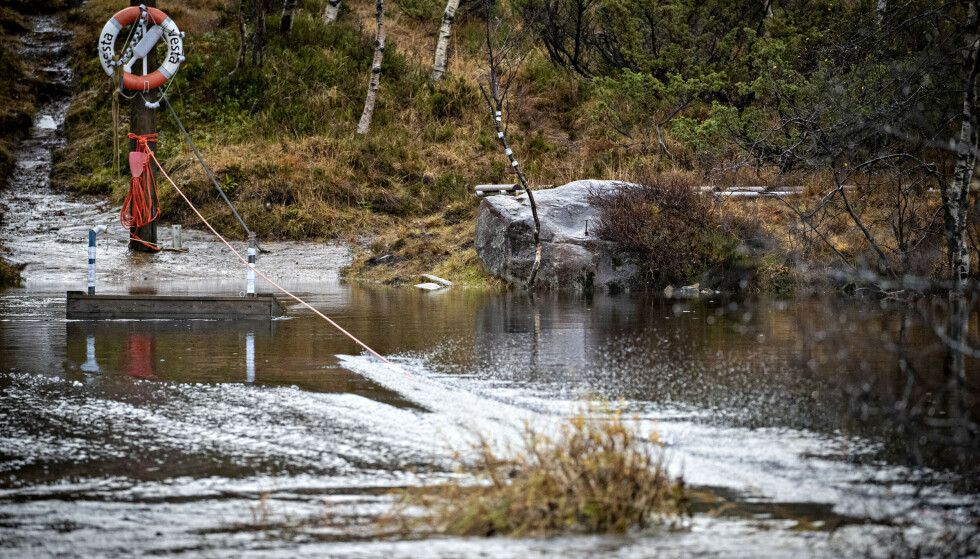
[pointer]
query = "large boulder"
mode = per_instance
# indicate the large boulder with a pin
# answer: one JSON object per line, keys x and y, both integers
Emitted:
{"x": 571, "y": 257}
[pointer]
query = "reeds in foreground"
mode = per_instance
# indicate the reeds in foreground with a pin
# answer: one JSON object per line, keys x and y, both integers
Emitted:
{"x": 599, "y": 475}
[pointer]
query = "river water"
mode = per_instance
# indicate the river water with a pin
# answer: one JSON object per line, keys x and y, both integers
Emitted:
{"x": 280, "y": 438}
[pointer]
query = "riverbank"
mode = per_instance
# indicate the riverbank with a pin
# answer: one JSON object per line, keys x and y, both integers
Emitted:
{"x": 289, "y": 158}
{"x": 16, "y": 111}
{"x": 281, "y": 141}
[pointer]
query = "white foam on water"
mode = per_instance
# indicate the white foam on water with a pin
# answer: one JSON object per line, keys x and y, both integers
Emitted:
{"x": 766, "y": 464}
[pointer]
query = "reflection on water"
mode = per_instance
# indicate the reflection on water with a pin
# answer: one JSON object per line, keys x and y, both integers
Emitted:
{"x": 760, "y": 363}
{"x": 752, "y": 394}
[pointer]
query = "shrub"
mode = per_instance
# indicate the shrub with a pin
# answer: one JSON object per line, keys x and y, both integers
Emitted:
{"x": 599, "y": 475}
{"x": 9, "y": 273}
{"x": 668, "y": 226}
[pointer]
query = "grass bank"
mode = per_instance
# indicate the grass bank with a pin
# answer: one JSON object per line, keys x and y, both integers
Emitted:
{"x": 17, "y": 87}
{"x": 281, "y": 140}
{"x": 16, "y": 108}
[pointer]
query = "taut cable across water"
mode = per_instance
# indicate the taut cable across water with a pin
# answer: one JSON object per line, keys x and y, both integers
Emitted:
{"x": 274, "y": 284}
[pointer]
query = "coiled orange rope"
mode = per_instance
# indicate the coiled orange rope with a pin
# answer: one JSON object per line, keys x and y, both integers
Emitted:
{"x": 142, "y": 206}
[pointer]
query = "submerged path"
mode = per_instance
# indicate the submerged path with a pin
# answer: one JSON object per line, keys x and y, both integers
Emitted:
{"x": 47, "y": 229}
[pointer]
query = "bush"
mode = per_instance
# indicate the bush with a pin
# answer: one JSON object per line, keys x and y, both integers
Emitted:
{"x": 669, "y": 227}
{"x": 597, "y": 476}
{"x": 9, "y": 273}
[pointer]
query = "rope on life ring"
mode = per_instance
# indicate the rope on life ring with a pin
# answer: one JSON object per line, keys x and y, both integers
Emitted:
{"x": 140, "y": 46}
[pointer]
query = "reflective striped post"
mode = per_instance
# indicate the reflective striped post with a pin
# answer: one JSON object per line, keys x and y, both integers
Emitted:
{"x": 91, "y": 262}
{"x": 250, "y": 284}
{"x": 91, "y": 255}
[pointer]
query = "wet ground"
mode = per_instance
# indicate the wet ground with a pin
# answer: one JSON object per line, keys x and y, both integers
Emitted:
{"x": 279, "y": 438}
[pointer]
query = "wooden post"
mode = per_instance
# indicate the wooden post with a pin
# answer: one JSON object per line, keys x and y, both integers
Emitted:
{"x": 143, "y": 120}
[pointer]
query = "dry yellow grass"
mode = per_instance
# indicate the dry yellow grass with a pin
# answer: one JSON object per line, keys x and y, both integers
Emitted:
{"x": 599, "y": 475}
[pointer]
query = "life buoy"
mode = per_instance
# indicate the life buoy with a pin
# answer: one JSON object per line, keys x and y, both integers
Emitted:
{"x": 143, "y": 40}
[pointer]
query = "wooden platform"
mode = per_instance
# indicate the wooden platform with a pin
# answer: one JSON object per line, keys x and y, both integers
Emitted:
{"x": 82, "y": 306}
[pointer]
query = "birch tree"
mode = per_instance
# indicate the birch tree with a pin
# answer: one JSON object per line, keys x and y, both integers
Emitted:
{"x": 956, "y": 205}
{"x": 288, "y": 12}
{"x": 506, "y": 50}
{"x": 767, "y": 18}
{"x": 442, "y": 46}
{"x": 899, "y": 101}
{"x": 379, "y": 51}
{"x": 333, "y": 9}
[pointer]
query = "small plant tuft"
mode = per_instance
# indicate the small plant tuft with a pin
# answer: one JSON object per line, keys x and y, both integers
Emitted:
{"x": 599, "y": 475}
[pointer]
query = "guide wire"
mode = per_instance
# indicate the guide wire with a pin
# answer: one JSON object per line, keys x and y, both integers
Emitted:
{"x": 390, "y": 365}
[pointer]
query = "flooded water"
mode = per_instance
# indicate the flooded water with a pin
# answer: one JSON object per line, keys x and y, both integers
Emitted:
{"x": 279, "y": 438}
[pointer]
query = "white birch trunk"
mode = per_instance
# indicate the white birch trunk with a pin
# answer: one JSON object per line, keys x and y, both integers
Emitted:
{"x": 766, "y": 19}
{"x": 442, "y": 47}
{"x": 956, "y": 205}
{"x": 243, "y": 46}
{"x": 379, "y": 51}
{"x": 333, "y": 9}
{"x": 288, "y": 12}
{"x": 956, "y": 199}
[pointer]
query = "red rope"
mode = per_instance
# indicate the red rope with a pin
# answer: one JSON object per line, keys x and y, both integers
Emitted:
{"x": 142, "y": 206}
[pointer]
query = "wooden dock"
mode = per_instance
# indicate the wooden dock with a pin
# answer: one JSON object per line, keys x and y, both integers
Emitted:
{"x": 82, "y": 306}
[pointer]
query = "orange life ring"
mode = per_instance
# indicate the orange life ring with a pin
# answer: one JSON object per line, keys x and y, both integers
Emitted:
{"x": 143, "y": 40}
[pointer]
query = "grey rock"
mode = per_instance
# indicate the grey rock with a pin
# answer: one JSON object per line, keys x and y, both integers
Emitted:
{"x": 687, "y": 291}
{"x": 571, "y": 256}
